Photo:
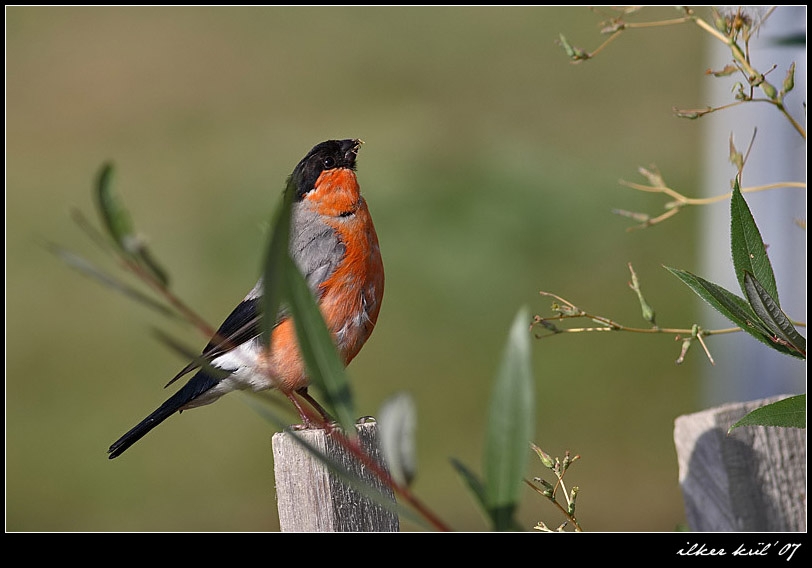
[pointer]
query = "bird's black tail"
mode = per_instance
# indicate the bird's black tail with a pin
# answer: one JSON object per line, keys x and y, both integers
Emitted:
{"x": 196, "y": 386}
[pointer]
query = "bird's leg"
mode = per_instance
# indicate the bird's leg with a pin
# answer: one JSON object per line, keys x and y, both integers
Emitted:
{"x": 312, "y": 401}
{"x": 306, "y": 421}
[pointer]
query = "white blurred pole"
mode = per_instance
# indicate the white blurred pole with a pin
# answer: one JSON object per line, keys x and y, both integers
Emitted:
{"x": 746, "y": 369}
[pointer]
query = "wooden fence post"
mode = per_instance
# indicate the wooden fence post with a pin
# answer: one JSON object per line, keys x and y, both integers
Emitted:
{"x": 310, "y": 498}
{"x": 751, "y": 480}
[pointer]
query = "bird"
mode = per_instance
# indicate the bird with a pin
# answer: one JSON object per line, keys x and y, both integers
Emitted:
{"x": 335, "y": 246}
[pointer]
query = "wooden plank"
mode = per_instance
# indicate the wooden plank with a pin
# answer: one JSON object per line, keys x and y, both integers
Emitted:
{"x": 751, "y": 480}
{"x": 310, "y": 498}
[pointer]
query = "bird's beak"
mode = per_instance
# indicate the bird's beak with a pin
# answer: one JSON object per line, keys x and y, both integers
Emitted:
{"x": 351, "y": 148}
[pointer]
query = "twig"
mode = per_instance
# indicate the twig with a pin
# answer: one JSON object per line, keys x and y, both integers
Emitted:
{"x": 741, "y": 57}
{"x": 708, "y": 200}
{"x": 657, "y": 185}
{"x": 549, "y": 491}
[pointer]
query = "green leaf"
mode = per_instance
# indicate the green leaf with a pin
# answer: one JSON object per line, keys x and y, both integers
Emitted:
{"x": 88, "y": 269}
{"x": 146, "y": 260}
{"x": 510, "y": 425}
{"x": 191, "y": 355}
{"x": 275, "y": 262}
{"x": 789, "y": 412}
{"x": 324, "y": 366}
{"x": 474, "y": 485}
{"x": 767, "y": 309}
{"x": 284, "y": 285}
{"x": 116, "y": 218}
{"x": 119, "y": 224}
{"x": 747, "y": 247}
{"x": 732, "y": 307}
{"x": 397, "y": 421}
{"x": 477, "y": 489}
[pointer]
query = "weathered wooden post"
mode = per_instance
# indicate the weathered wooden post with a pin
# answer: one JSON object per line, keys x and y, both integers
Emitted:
{"x": 751, "y": 480}
{"x": 311, "y": 498}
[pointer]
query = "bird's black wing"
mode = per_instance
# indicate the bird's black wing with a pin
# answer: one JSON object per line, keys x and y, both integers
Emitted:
{"x": 241, "y": 325}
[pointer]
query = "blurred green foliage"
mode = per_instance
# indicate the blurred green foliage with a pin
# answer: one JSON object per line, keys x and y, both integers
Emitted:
{"x": 490, "y": 167}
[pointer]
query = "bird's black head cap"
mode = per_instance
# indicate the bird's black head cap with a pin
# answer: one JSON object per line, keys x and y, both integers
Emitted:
{"x": 328, "y": 155}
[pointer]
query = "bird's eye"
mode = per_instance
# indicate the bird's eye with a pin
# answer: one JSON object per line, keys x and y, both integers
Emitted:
{"x": 329, "y": 162}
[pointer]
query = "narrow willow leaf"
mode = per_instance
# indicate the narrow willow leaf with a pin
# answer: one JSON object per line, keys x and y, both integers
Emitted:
{"x": 477, "y": 489}
{"x": 746, "y": 245}
{"x": 284, "y": 286}
{"x": 120, "y": 226}
{"x": 767, "y": 309}
{"x": 731, "y": 306}
{"x": 325, "y": 367}
{"x": 98, "y": 238}
{"x": 191, "y": 355}
{"x": 510, "y": 425}
{"x": 474, "y": 486}
{"x": 116, "y": 218}
{"x": 88, "y": 269}
{"x": 274, "y": 264}
{"x": 146, "y": 260}
{"x": 397, "y": 422}
{"x": 789, "y": 412}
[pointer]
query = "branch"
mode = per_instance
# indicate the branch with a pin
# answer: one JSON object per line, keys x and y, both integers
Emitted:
{"x": 657, "y": 185}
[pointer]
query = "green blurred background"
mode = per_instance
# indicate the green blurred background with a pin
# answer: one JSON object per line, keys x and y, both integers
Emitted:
{"x": 491, "y": 167}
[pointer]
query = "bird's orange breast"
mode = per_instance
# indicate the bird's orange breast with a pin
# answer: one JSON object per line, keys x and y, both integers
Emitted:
{"x": 350, "y": 297}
